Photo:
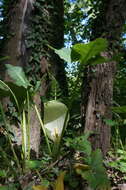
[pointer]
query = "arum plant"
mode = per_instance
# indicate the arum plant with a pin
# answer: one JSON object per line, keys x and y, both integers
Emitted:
{"x": 55, "y": 113}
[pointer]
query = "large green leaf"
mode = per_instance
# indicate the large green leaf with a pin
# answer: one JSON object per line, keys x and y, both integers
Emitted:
{"x": 18, "y": 75}
{"x": 54, "y": 117}
{"x": 64, "y": 53}
{"x": 84, "y": 52}
{"x": 19, "y": 92}
{"x": 4, "y": 91}
{"x": 98, "y": 59}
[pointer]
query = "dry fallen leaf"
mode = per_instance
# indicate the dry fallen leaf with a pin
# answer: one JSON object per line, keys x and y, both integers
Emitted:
{"x": 39, "y": 187}
{"x": 59, "y": 184}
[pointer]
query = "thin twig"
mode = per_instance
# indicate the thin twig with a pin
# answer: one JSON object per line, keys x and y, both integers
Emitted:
{"x": 54, "y": 163}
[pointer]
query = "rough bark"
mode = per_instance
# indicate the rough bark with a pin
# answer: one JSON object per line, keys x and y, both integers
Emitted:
{"x": 97, "y": 100}
{"x": 97, "y": 87}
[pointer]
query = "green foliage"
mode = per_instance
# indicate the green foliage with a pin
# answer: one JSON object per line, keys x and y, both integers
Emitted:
{"x": 17, "y": 74}
{"x": 118, "y": 160}
{"x": 80, "y": 144}
{"x": 110, "y": 122}
{"x": 20, "y": 81}
{"x": 2, "y": 173}
{"x": 34, "y": 164}
{"x": 39, "y": 36}
{"x": 96, "y": 174}
{"x": 86, "y": 54}
{"x": 8, "y": 187}
{"x": 64, "y": 53}
{"x": 17, "y": 90}
{"x": 76, "y": 20}
{"x": 92, "y": 169}
{"x": 22, "y": 91}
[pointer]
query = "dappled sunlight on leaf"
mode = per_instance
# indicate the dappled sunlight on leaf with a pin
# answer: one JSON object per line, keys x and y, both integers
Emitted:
{"x": 17, "y": 74}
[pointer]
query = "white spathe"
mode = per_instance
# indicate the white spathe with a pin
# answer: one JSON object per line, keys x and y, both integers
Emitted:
{"x": 54, "y": 117}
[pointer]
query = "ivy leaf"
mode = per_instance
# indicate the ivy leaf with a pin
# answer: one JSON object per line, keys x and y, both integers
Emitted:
{"x": 17, "y": 74}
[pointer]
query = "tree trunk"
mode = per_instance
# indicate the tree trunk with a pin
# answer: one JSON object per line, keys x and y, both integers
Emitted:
{"x": 15, "y": 47}
{"x": 57, "y": 41}
{"x": 96, "y": 103}
{"x": 97, "y": 87}
{"x": 18, "y": 18}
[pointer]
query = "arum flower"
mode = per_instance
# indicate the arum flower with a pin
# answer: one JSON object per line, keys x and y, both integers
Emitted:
{"x": 55, "y": 114}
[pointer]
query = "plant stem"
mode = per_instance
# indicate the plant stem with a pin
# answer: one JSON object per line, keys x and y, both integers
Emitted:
{"x": 42, "y": 125}
{"x": 24, "y": 136}
{"x": 39, "y": 176}
{"x": 28, "y": 125}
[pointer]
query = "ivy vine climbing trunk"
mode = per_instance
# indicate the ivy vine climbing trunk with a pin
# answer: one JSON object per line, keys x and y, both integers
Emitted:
{"x": 97, "y": 88}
